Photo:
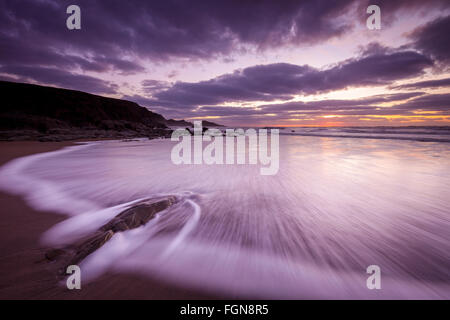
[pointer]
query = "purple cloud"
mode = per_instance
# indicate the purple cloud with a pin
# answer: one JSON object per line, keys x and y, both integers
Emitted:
{"x": 283, "y": 81}
{"x": 432, "y": 39}
{"x": 425, "y": 84}
{"x": 437, "y": 102}
{"x": 162, "y": 30}
{"x": 416, "y": 101}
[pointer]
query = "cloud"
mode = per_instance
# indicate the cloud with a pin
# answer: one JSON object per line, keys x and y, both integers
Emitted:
{"x": 34, "y": 32}
{"x": 24, "y": 51}
{"x": 162, "y": 30}
{"x": 436, "y": 102}
{"x": 432, "y": 39}
{"x": 403, "y": 104}
{"x": 153, "y": 86}
{"x": 281, "y": 81}
{"x": 425, "y": 84}
{"x": 372, "y": 105}
{"x": 328, "y": 105}
{"x": 176, "y": 28}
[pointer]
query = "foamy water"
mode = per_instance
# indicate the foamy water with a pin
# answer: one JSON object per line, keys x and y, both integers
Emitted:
{"x": 336, "y": 206}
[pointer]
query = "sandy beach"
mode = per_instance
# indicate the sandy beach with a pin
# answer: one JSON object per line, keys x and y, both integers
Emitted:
{"x": 25, "y": 274}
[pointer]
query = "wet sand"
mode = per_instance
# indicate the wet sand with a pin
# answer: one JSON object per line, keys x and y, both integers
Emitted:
{"x": 25, "y": 274}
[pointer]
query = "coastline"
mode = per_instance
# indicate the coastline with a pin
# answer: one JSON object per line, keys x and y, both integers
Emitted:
{"x": 23, "y": 272}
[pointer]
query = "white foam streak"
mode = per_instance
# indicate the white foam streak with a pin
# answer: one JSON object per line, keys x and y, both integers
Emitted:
{"x": 180, "y": 238}
{"x": 39, "y": 193}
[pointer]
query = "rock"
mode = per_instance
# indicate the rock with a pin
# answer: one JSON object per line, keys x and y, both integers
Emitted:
{"x": 138, "y": 215}
{"x": 131, "y": 218}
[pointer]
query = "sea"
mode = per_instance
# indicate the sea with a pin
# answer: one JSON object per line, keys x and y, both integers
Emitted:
{"x": 343, "y": 199}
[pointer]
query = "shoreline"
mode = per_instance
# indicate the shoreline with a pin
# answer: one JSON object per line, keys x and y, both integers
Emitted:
{"x": 24, "y": 274}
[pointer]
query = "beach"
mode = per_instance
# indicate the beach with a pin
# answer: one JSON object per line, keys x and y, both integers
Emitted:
{"x": 336, "y": 206}
{"x": 24, "y": 273}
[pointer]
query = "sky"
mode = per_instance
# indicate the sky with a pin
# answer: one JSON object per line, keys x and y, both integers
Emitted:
{"x": 242, "y": 63}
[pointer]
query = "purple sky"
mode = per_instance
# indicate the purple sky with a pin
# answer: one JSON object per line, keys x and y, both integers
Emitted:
{"x": 252, "y": 63}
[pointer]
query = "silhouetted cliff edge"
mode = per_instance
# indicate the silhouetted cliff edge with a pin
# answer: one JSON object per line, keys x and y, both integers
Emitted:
{"x": 33, "y": 112}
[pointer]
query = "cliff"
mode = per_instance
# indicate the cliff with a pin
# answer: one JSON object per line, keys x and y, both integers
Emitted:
{"x": 33, "y": 112}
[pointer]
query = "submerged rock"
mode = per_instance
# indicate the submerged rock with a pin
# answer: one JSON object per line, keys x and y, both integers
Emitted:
{"x": 131, "y": 218}
{"x": 137, "y": 215}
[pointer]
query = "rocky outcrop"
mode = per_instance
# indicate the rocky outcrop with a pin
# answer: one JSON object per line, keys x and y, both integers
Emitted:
{"x": 32, "y": 112}
{"x": 131, "y": 218}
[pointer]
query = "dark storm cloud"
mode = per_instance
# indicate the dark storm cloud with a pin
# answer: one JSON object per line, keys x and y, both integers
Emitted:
{"x": 166, "y": 29}
{"x": 432, "y": 39}
{"x": 377, "y": 68}
{"x": 26, "y": 51}
{"x": 117, "y": 35}
{"x": 250, "y": 84}
{"x": 282, "y": 81}
{"x": 162, "y": 29}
